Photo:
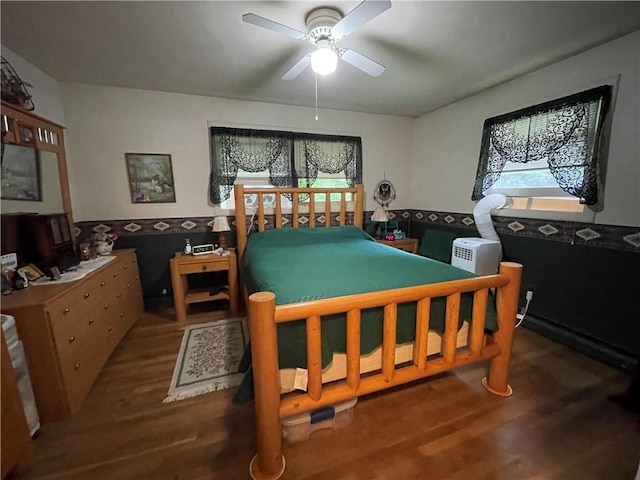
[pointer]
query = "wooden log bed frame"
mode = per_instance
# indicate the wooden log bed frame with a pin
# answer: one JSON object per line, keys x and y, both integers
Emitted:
{"x": 264, "y": 315}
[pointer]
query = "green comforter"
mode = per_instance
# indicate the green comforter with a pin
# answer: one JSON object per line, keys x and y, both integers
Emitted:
{"x": 305, "y": 264}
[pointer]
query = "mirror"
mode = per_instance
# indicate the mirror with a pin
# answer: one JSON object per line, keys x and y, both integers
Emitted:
{"x": 34, "y": 168}
{"x": 30, "y": 180}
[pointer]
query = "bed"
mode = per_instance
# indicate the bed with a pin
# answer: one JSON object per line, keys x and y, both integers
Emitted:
{"x": 321, "y": 288}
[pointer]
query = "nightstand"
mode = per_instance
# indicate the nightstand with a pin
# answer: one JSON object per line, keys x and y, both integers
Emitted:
{"x": 407, "y": 244}
{"x": 183, "y": 265}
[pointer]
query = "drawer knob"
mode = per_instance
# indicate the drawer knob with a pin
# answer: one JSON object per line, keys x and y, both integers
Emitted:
{"x": 119, "y": 295}
{"x": 72, "y": 339}
{"x": 121, "y": 315}
{"x": 115, "y": 274}
{"x": 102, "y": 284}
{"x": 91, "y": 320}
{"x": 110, "y": 328}
{"x": 204, "y": 268}
{"x": 65, "y": 311}
{"x": 128, "y": 285}
{"x": 87, "y": 295}
{"x": 106, "y": 307}
{"x": 76, "y": 366}
{"x": 126, "y": 266}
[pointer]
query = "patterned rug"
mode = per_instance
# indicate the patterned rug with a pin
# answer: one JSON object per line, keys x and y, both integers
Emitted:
{"x": 209, "y": 357}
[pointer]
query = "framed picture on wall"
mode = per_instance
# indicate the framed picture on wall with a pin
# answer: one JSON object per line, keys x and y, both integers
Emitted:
{"x": 20, "y": 173}
{"x": 150, "y": 177}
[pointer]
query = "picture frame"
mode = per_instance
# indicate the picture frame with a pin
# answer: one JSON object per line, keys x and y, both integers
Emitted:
{"x": 20, "y": 173}
{"x": 27, "y": 134}
{"x": 32, "y": 272}
{"x": 150, "y": 177}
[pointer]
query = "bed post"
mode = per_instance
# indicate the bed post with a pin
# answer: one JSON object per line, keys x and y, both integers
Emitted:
{"x": 241, "y": 222}
{"x": 496, "y": 380}
{"x": 358, "y": 211}
{"x": 268, "y": 463}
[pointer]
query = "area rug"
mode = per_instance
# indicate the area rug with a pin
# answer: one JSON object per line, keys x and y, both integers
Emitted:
{"x": 208, "y": 359}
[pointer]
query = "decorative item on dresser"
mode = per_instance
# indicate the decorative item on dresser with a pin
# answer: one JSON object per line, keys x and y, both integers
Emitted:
{"x": 69, "y": 330}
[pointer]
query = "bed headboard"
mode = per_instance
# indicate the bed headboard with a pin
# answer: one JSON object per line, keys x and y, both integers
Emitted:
{"x": 240, "y": 191}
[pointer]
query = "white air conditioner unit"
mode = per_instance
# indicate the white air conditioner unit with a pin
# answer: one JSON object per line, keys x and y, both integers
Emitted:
{"x": 476, "y": 255}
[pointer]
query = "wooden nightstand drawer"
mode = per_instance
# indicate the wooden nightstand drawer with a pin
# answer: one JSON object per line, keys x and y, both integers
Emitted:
{"x": 407, "y": 244}
{"x": 204, "y": 266}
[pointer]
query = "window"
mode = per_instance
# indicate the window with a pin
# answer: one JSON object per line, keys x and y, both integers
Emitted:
{"x": 549, "y": 154}
{"x": 282, "y": 159}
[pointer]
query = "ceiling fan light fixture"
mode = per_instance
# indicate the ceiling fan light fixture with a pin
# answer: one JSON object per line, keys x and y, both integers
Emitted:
{"x": 324, "y": 60}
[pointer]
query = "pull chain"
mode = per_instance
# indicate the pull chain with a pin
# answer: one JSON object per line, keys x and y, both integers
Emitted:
{"x": 316, "y": 97}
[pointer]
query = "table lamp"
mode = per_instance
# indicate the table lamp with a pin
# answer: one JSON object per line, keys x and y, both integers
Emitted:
{"x": 221, "y": 225}
{"x": 380, "y": 216}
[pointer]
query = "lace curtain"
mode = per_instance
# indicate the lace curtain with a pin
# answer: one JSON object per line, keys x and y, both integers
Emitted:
{"x": 290, "y": 158}
{"x": 566, "y": 132}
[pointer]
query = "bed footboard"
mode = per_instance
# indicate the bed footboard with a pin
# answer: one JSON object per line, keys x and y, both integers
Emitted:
{"x": 264, "y": 316}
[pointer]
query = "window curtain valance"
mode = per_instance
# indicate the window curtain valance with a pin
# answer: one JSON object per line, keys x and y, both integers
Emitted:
{"x": 566, "y": 132}
{"x": 290, "y": 158}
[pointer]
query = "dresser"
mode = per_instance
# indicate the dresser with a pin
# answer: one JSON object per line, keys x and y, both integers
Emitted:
{"x": 69, "y": 330}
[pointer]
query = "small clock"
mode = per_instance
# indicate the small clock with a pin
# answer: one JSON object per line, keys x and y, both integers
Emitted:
{"x": 202, "y": 249}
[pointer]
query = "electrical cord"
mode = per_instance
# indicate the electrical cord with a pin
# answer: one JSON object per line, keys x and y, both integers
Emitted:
{"x": 520, "y": 316}
{"x": 251, "y": 221}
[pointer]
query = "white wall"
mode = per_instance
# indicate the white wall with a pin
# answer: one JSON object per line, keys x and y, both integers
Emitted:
{"x": 448, "y": 140}
{"x": 104, "y": 123}
{"x": 45, "y": 92}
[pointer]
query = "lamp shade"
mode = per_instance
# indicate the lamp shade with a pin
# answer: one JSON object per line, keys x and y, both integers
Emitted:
{"x": 324, "y": 61}
{"x": 380, "y": 215}
{"x": 220, "y": 224}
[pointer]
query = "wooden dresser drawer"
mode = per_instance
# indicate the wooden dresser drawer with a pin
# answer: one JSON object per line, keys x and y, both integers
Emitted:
{"x": 85, "y": 333}
{"x": 80, "y": 370}
{"x": 76, "y": 303}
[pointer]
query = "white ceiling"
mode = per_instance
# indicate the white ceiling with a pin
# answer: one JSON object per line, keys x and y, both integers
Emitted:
{"x": 435, "y": 52}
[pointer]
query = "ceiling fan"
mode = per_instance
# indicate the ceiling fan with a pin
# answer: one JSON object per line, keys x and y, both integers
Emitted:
{"x": 325, "y": 28}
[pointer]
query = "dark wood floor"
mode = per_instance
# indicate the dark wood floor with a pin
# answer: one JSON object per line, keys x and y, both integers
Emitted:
{"x": 557, "y": 425}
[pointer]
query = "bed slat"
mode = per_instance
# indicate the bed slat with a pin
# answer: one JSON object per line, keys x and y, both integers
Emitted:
{"x": 451, "y": 327}
{"x": 327, "y": 209}
{"x": 422, "y": 333}
{"x": 477, "y": 320}
{"x": 260, "y": 212}
{"x": 389, "y": 341}
{"x": 295, "y": 209}
{"x": 353, "y": 349}
{"x": 343, "y": 208}
{"x": 278, "y": 210}
{"x": 312, "y": 210}
{"x": 314, "y": 357}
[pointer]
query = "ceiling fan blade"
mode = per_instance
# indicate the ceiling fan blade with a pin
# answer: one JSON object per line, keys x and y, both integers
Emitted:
{"x": 365, "y": 64}
{"x": 254, "y": 19}
{"x": 363, "y": 13}
{"x": 298, "y": 68}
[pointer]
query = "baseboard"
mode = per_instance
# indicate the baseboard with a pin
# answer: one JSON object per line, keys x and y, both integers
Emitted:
{"x": 580, "y": 343}
{"x": 156, "y": 303}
